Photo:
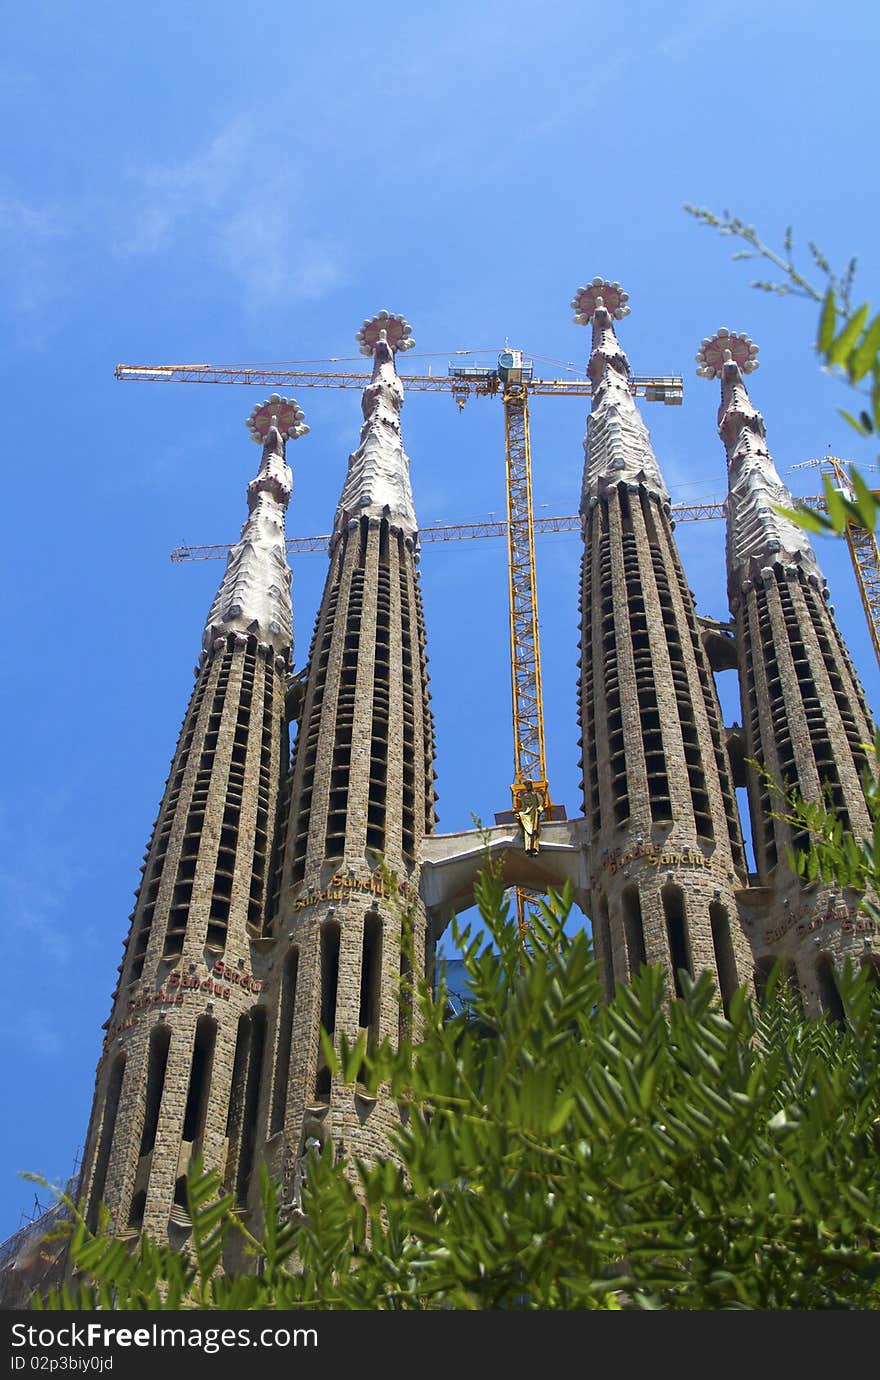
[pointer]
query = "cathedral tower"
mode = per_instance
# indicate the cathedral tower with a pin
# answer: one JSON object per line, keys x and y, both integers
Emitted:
{"x": 360, "y": 789}
{"x": 665, "y": 855}
{"x": 170, "y": 1080}
{"x": 805, "y": 718}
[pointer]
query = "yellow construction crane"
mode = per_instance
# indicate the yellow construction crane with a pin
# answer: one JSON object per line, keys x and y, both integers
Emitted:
{"x": 460, "y": 382}
{"x": 514, "y": 380}
{"x": 467, "y": 531}
{"x": 530, "y": 789}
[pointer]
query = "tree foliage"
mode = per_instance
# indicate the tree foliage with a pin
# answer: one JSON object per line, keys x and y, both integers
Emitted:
{"x": 832, "y": 853}
{"x": 559, "y": 1153}
{"x": 847, "y": 336}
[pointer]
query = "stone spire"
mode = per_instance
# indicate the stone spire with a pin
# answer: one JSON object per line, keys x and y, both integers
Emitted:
{"x": 377, "y": 484}
{"x": 177, "y": 1076}
{"x": 665, "y": 855}
{"x": 617, "y": 446}
{"x": 805, "y": 720}
{"x": 359, "y": 795}
{"x": 254, "y": 595}
{"x": 757, "y": 535}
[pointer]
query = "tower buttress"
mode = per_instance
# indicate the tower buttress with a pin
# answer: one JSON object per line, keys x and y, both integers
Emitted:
{"x": 805, "y": 718}
{"x": 666, "y": 855}
{"x": 360, "y": 792}
{"x": 168, "y": 1081}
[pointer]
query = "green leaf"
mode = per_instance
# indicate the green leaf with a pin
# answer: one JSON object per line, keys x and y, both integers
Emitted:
{"x": 561, "y": 1113}
{"x": 860, "y": 1201}
{"x": 827, "y": 322}
{"x": 839, "y": 350}
{"x": 329, "y": 1052}
{"x": 834, "y": 501}
{"x": 807, "y": 518}
{"x": 864, "y": 356}
{"x": 856, "y": 425}
{"x": 805, "y": 1189}
{"x": 866, "y": 502}
{"x": 355, "y": 1058}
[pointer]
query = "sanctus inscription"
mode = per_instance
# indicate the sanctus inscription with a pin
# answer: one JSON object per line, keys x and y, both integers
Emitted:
{"x": 344, "y": 885}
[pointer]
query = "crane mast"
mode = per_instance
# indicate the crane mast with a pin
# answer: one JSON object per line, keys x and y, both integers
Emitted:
{"x": 529, "y": 756}
{"x": 513, "y": 378}
{"x": 530, "y": 788}
{"x": 865, "y": 556}
{"x": 528, "y": 706}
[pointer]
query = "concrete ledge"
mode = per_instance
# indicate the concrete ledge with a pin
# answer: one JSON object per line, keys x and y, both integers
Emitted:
{"x": 450, "y": 864}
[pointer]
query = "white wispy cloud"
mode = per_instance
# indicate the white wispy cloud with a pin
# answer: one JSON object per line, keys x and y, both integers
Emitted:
{"x": 38, "y": 1031}
{"x": 165, "y": 198}
{"x": 681, "y": 42}
{"x": 252, "y": 227}
{"x": 39, "y": 876}
{"x": 24, "y": 224}
{"x": 34, "y": 909}
{"x": 216, "y": 204}
{"x": 32, "y": 239}
{"x": 276, "y": 262}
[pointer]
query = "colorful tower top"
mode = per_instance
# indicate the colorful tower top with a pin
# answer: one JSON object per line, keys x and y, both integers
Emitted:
{"x": 254, "y": 595}
{"x": 617, "y": 446}
{"x": 377, "y": 484}
{"x": 757, "y": 535}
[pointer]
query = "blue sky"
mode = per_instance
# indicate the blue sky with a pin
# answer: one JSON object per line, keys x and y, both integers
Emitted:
{"x": 190, "y": 183}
